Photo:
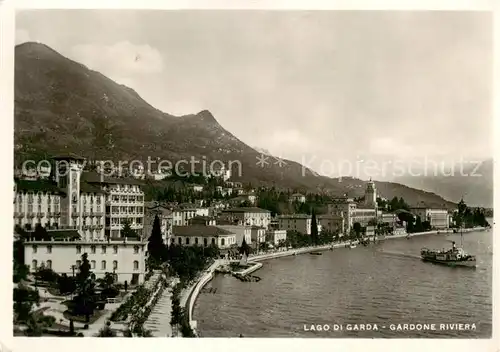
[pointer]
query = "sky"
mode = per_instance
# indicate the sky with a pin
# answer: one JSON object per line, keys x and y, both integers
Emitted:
{"x": 317, "y": 87}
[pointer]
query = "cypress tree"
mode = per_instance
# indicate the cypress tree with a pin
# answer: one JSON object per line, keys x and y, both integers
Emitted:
{"x": 314, "y": 227}
{"x": 155, "y": 241}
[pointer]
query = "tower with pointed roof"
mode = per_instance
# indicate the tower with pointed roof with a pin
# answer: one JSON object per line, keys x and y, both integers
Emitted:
{"x": 371, "y": 195}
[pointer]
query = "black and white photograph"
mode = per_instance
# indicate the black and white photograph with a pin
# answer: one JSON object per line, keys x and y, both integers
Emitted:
{"x": 317, "y": 174}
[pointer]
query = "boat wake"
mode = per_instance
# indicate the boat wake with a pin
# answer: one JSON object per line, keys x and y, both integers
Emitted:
{"x": 400, "y": 254}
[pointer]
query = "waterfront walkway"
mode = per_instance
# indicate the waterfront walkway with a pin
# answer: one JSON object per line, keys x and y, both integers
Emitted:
{"x": 159, "y": 320}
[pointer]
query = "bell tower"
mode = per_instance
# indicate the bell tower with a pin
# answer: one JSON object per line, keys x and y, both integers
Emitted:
{"x": 371, "y": 195}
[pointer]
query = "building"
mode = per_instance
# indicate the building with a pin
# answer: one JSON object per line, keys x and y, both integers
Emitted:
{"x": 363, "y": 216}
{"x": 153, "y": 209}
{"x": 63, "y": 249}
{"x": 79, "y": 210}
{"x": 202, "y": 220}
{"x": 332, "y": 223}
{"x": 258, "y": 234}
{"x": 297, "y": 197}
{"x": 249, "y": 197}
{"x": 37, "y": 202}
{"x": 276, "y": 236}
{"x": 249, "y": 216}
{"x": 124, "y": 203}
{"x": 349, "y": 210}
{"x": 388, "y": 218}
{"x": 438, "y": 218}
{"x": 197, "y": 188}
{"x": 343, "y": 206}
{"x": 295, "y": 222}
{"x": 224, "y": 191}
{"x": 201, "y": 235}
{"x": 240, "y": 232}
{"x": 184, "y": 212}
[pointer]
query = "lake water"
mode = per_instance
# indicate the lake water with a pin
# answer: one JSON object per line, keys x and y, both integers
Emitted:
{"x": 381, "y": 284}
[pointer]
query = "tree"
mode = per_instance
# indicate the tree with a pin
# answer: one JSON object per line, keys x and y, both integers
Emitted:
{"x": 245, "y": 248}
{"x": 156, "y": 246}
{"x": 24, "y": 299}
{"x": 40, "y": 234}
{"x": 314, "y": 228}
{"x": 84, "y": 303}
{"x": 127, "y": 231}
{"x": 357, "y": 229}
{"x": 246, "y": 203}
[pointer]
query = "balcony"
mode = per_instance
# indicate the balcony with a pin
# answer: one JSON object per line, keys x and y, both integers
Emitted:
{"x": 75, "y": 215}
{"x": 31, "y": 215}
{"x": 86, "y": 213}
{"x": 40, "y": 215}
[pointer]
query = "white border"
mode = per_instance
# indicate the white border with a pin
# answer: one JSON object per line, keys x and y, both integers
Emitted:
{"x": 7, "y": 31}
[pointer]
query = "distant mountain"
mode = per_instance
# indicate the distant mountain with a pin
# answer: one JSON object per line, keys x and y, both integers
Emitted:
{"x": 61, "y": 107}
{"x": 473, "y": 182}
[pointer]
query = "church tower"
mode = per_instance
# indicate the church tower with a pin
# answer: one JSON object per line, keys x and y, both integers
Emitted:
{"x": 371, "y": 195}
{"x": 68, "y": 170}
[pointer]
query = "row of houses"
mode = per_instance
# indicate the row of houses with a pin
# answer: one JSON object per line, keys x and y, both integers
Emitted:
{"x": 85, "y": 212}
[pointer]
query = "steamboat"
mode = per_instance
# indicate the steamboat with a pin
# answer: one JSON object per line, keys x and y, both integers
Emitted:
{"x": 452, "y": 257}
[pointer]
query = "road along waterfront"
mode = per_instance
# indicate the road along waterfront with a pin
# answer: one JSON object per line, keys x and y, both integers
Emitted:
{"x": 353, "y": 290}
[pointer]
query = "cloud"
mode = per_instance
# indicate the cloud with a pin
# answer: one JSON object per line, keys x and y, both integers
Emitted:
{"x": 22, "y": 36}
{"x": 122, "y": 60}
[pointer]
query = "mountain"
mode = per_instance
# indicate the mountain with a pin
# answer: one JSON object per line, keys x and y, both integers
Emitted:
{"x": 472, "y": 181}
{"x": 61, "y": 106}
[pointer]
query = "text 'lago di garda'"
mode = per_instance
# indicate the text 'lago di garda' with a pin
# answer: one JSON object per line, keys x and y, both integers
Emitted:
{"x": 392, "y": 327}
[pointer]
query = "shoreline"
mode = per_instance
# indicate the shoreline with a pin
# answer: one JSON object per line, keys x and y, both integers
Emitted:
{"x": 191, "y": 294}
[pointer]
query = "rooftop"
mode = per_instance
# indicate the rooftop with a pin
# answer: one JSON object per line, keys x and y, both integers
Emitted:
{"x": 69, "y": 156}
{"x": 88, "y": 188}
{"x": 294, "y": 216}
{"x": 59, "y": 235}
{"x": 38, "y": 186}
{"x": 246, "y": 210}
{"x": 95, "y": 177}
{"x": 199, "y": 231}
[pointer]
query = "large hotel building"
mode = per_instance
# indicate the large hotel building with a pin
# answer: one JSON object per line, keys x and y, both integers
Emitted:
{"x": 82, "y": 212}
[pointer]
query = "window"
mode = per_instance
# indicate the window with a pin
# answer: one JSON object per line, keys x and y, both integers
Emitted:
{"x": 136, "y": 265}
{"x": 205, "y": 242}
{"x": 92, "y": 249}
{"x": 78, "y": 263}
{"x": 34, "y": 264}
{"x": 180, "y": 240}
{"x": 92, "y": 264}
{"x": 49, "y": 264}
{"x": 187, "y": 240}
{"x": 172, "y": 241}
{"x": 213, "y": 240}
{"x": 78, "y": 249}
{"x": 196, "y": 240}
{"x": 103, "y": 265}
{"x": 115, "y": 265}
{"x": 222, "y": 241}
{"x": 103, "y": 249}
{"x": 136, "y": 249}
{"x": 115, "y": 249}
{"x": 49, "y": 249}
{"x": 35, "y": 247}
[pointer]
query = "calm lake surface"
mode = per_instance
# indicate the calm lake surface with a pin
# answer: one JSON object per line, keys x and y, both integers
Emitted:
{"x": 380, "y": 284}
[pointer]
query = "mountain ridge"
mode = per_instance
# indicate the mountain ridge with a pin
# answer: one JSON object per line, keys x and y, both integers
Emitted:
{"x": 62, "y": 106}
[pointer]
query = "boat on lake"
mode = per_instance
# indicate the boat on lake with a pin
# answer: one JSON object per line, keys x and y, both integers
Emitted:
{"x": 316, "y": 253}
{"x": 452, "y": 257}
